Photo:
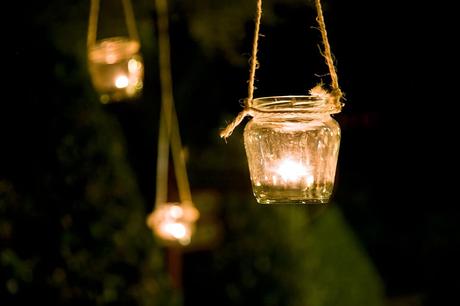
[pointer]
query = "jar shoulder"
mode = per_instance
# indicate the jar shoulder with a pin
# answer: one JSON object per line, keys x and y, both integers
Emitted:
{"x": 299, "y": 124}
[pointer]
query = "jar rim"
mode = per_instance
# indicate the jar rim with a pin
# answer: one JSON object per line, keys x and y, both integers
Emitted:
{"x": 117, "y": 47}
{"x": 295, "y": 104}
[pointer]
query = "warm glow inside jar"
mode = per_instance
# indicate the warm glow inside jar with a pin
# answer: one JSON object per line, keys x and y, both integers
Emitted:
{"x": 116, "y": 68}
{"x": 173, "y": 222}
{"x": 292, "y": 145}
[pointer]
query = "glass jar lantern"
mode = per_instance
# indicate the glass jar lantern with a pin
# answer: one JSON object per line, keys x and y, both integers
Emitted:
{"x": 116, "y": 68}
{"x": 292, "y": 145}
{"x": 173, "y": 222}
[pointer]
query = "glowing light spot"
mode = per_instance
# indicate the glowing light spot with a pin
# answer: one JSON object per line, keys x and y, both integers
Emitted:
{"x": 134, "y": 65}
{"x": 121, "y": 81}
{"x": 291, "y": 171}
{"x": 172, "y": 222}
{"x": 176, "y": 212}
{"x": 176, "y": 230}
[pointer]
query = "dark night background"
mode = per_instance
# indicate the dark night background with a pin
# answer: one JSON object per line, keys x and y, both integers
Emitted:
{"x": 73, "y": 171}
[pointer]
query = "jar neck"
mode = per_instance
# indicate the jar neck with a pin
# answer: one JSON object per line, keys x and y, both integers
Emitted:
{"x": 288, "y": 117}
{"x": 293, "y": 106}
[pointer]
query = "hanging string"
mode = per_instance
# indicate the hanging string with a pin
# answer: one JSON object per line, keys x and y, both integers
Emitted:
{"x": 180, "y": 169}
{"x": 169, "y": 126}
{"x": 130, "y": 20}
{"x": 335, "y": 95}
{"x": 162, "y": 161}
{"x": 254, "y": 62}
{"x": 225, "y": 133}
{"x": 94, "y": 18}
{"x": 336, "y": 91}
{"x": 165, "y": 112}
{"x": 171, "y": 136}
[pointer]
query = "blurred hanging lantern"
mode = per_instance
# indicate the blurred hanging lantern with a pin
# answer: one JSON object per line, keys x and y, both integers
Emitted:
{"x": 292, "y": 145}
{"x": 292, "y": 142}
{"x": 115, "y": 63}
{"x": 173, "y": 222}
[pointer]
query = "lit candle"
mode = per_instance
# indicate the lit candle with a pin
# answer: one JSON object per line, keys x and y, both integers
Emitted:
{"x": 121, "y": 81}
{"x": 176, "y": 230}
{"x": 172, "y": 222}
{"x": 291, "y": 171}
{"x": 116, "y": 68}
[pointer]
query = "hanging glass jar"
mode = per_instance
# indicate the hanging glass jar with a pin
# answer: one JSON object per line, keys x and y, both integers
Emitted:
{"x": 116, "y": 68}
{"x": 292, "y": 146}
{"x": 174, "y": 222}
{"x": 115, "y": 63}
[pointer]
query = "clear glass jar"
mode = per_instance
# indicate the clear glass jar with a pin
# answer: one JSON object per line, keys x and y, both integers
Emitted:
{"x": 292, "y": 145}
{"x": 116, "y": 68}
{"x": 173, "y": 222}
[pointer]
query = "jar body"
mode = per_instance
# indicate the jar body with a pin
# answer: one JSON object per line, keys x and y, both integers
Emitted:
{"x": 116, "y": 69}
{"x": 173, "y": 222}
{"x": 292, "y": 157}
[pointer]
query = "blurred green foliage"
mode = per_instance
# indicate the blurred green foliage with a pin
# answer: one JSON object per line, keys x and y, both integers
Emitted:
{"x": 74, "y": 231}
{"x": 278, "y": 256}
{"x": 72, "y": 218}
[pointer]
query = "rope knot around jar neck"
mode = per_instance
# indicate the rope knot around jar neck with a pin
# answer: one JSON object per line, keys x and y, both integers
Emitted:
{"x": 318, "y": 102}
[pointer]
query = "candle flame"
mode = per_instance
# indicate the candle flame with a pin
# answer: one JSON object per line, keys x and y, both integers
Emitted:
{"x": 291, "y": 171}
{"x": 173, "y": 222}
{"x": 174, "y": 229}
{"x": 121, "y": 81}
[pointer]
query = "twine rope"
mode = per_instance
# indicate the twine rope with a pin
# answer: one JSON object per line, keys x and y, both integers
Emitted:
{"x": 94, "y": 19}
{"x": 169, "y": 126}
{"x": 254, "y": 62}
{"x": 327, "y": 54}
{"x": 130, "y": 20}
{"x": 334, "y": 96}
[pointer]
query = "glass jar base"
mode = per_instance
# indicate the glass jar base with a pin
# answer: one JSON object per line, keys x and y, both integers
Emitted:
{"x": 118, "y": 96}
{"x": 291, "y": 201}
{"x": 272, "y": 195}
